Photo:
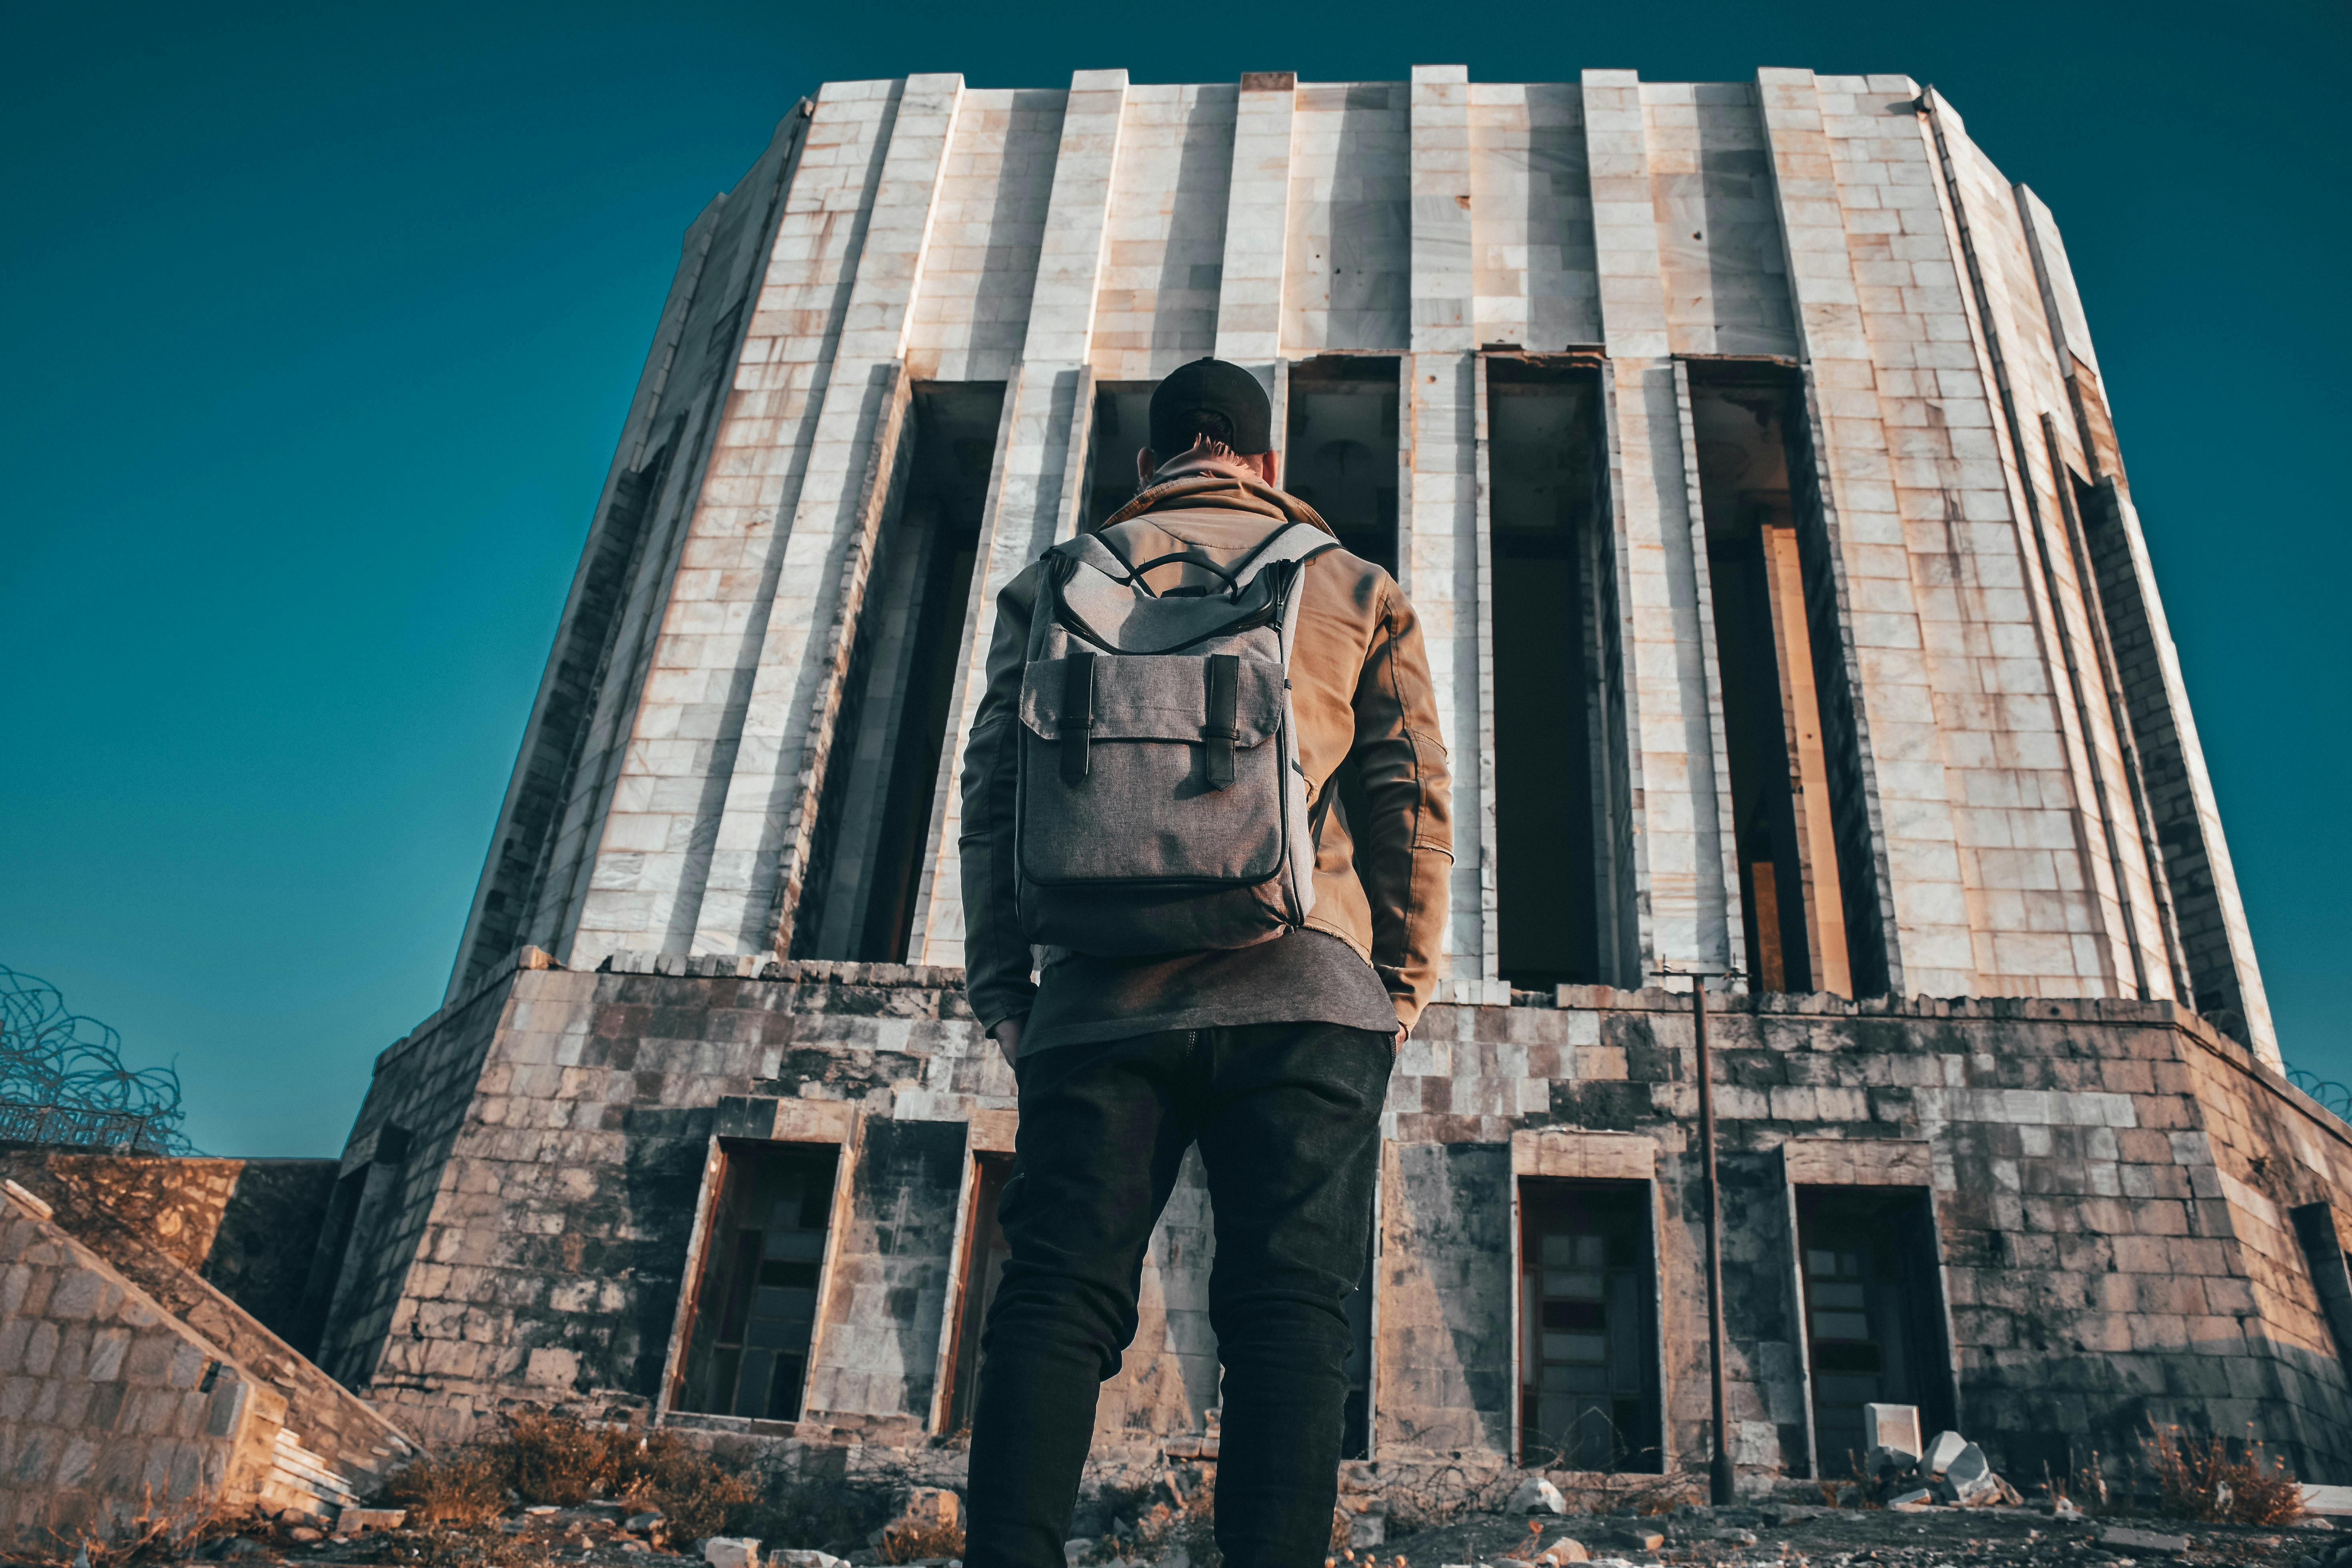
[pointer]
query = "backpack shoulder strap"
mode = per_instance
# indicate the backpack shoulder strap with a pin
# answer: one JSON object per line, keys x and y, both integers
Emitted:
{"x": 1299, "y": 541}
{"x": 1092, "y": 549}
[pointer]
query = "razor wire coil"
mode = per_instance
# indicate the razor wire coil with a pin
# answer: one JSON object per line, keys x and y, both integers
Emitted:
{"x": 63, "y": 1081}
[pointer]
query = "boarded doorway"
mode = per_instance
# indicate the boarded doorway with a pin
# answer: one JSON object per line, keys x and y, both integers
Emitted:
{"x": 755, "y": 1308}
{"x": 1587, "y": 1323}
{"x": 1873, "y": 1312}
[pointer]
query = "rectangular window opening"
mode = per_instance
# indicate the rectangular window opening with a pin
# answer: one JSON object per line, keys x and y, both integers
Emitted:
{"x": 874, "y": 817}
{"x": 1873, "y": 1312}
{"x": 763, "y": 1262}
{"x": 1122, "y": 416}
{"x": 984, "y": 1254}
{"x": 1339, "y": 454}
{"x": 1589, "y": 1329}
{"x": 1791, "y": 906}
{"x": 1547, "y": 485}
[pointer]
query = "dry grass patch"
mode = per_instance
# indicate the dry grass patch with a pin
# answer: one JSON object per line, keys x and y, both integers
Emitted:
{"x": 2200, "y": 1479}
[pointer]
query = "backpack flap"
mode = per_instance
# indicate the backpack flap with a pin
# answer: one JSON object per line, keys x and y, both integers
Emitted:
{"x": 1175, "y": 781}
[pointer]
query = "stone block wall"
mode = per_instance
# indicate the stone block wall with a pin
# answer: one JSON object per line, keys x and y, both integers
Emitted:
{"x": 246, "y": 1226}
{"x": 2110, "y": 1182}
{"x": 110, "y": 1408}
{"x": 2022, "y": 802}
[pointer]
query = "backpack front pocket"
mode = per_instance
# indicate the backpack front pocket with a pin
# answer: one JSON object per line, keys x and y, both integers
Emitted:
{"x": 1151, "y": 768}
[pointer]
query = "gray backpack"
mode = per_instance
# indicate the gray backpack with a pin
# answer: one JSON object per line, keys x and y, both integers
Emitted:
{"x": 1163, "y": 807}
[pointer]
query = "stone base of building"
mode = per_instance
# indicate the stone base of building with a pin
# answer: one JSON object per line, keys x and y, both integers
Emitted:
{"x": 2046, "y": 1223}
{"x": 137, "y": 1395}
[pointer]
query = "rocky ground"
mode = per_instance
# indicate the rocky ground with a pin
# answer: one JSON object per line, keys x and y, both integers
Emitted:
{"x": 1785, "y": 1535}
{"x": 1781, "y": 1535}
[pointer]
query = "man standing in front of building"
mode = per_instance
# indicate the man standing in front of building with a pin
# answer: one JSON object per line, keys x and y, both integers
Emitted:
{"x": 1273, "y": 1053}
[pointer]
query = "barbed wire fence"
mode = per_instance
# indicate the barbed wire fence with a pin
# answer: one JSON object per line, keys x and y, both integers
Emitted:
{"x": 2332, "y": 1096}
{"x": 63, "y": 1082}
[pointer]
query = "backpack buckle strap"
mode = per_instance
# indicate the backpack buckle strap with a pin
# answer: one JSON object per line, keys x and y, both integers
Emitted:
{"x": 1224, "y": 726}
{"x": 1077, "y": 715}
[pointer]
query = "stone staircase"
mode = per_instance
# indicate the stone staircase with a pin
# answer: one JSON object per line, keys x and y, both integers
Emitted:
{"x": 332, "y": 1448}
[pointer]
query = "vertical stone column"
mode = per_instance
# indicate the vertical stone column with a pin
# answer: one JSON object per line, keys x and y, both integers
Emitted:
{"x": 1868, "y": 566}
{"x": 1685, "y": 905}
{"x": 1045, "y": 430}
{"x": 738, "y": 910}
{"x": 652, "y": 846}
{"x": 2168, "y": 771}
{"x": 1257, "y": 225}
{"x": 1441, "y": 526}
{"x": 1710, "y": 678}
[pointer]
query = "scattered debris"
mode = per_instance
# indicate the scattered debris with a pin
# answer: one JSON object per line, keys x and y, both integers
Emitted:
{"x": 1536, "y": 1495}
{"x": 731, "y": 1552}
{"x": 360, "y": 1520}
{"x": 1952, "y": 1471}
{"x": 2132, "y": 1540}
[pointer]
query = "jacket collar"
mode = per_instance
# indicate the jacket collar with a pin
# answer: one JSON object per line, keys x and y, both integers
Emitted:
{"x": 1215, "y": 485}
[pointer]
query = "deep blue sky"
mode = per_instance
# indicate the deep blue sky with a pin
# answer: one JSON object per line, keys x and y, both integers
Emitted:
{"x": 321, "y": 322}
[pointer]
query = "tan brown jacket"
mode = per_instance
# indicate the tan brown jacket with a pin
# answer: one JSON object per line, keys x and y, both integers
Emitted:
{"x": 1360, "y": 687}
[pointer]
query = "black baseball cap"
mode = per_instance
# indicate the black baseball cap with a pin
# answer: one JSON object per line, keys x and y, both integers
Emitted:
{"x": 1217, "y": 386}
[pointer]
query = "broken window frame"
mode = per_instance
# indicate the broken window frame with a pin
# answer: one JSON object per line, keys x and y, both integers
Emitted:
{"x": 1655, "y": 1372}
{"x": 1938, "y": 1362}
{"x": 795, "y": 1123}
{"x": 988, "y": 1139}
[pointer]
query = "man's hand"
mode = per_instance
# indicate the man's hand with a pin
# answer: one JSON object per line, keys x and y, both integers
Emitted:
{"x": 1007, "y": 1037}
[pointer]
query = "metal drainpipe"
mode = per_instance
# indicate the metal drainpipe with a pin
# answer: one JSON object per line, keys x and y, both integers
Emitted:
{"x": 1722, "y": 1478}
{"x": 1722, "y": 1481}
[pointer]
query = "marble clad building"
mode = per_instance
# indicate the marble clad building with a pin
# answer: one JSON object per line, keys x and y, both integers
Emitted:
{"x": 1746, "y": 451}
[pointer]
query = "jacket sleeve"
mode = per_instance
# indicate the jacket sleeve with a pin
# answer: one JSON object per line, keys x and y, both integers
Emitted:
{"x": 995, "y": 954}
{"x": 1406, "y": 857}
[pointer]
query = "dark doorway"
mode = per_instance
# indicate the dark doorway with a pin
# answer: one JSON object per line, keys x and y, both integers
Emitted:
{"x": 866, "y": 859}
{"x": 755, "y": 1309}
{"x": 1873, "y": 1312}
{"x": 1122, "y": 415}
{"x": 984, "y": 1253}
{"x": 1792, "y": 908}
{"x": 1589, "y": 1328}
{"x": 363, "y": 1205}
{"x": 1545, "y": 502}
{"x": 1340, "y": 455}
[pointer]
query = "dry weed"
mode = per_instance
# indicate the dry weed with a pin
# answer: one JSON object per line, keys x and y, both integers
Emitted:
{"x": 913, "y": 1543}
{"x": 546, "y": 1457}
{"x": 465, "y": 1487}
{"x": 154, "y": 1532}
{"x": 2200, "y": 1478}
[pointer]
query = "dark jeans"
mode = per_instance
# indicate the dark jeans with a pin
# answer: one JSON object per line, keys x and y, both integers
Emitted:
{"x": 1287, "y": 1118}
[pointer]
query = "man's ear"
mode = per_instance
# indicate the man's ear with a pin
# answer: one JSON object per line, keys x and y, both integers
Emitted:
{"x": 1268, "y": 468}
{"x": 1145, "y": 462}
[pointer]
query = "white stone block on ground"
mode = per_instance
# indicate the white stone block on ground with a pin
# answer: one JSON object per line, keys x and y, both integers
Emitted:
{"x": 731, "y": 1552}
{"x": 1893, "y": 1426}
